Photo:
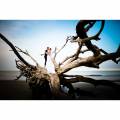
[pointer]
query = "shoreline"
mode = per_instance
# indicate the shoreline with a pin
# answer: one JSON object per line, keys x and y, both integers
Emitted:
{"x": 19, "y": 90}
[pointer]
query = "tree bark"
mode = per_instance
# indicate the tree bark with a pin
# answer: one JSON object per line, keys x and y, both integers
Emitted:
{"x": 37, "y": 74}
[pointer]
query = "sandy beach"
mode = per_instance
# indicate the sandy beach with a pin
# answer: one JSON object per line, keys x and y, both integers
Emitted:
{"x": 11, "y": 89}
{"x": 14, "y": 90}
{"x": 19, "y": 90}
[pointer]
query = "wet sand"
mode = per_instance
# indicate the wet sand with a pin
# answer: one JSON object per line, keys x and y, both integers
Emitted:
{"x": 14, "y": 90}
{"x": 19, "y": 90}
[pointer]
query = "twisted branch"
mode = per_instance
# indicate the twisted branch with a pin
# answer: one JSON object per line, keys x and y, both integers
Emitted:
{"x": 15, "y": 51}
{"x": 27, "y": 54}
{"x": 61, "y": 47}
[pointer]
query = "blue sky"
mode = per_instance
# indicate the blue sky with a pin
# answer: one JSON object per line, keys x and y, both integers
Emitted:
{"x": 36, "y": 35}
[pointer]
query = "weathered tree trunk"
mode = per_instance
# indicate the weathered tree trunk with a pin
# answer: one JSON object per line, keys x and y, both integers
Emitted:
{"x": 35, "y": 75}
{"x": 55, "y": 84}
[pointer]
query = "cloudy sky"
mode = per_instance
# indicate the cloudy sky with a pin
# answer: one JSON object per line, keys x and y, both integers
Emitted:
{"x": 36, "y": 35}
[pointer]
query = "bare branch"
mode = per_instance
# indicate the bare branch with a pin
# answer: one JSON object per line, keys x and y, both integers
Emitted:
{"x": 54, "y": 62}
{"x": 83, "y": 51}
{"x": 18, "y": 77}
{"x": 15, "y": 51}
{"x": 74, "y": 56}
{"x": 118, "y": 60}
{"x": 93, "y": 37}
{"x": 80, "y": 43}
{"x": 90, "y": 61}
{"x": 26, "y": 53}
{"x": 67, "y": 58}
{"x": 103, "y": 51}
{"x": 110, "y": 56}
{"x": 61, "y": 47}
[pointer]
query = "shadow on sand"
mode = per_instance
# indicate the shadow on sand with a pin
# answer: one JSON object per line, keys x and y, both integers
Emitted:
{"x": 88, "y": 89}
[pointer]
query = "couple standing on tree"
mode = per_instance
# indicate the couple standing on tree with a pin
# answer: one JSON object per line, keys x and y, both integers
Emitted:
{"x": 47, "y": 52}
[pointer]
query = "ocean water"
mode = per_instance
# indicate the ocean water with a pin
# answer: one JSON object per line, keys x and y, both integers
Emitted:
{"x": 107, "y": 75}
{"x": 9, "y": 75}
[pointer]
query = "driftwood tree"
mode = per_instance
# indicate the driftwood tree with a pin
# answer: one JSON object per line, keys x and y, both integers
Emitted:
{"x": 37, "y": 75}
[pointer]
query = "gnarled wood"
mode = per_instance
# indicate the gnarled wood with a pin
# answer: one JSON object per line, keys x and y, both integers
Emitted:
{"x": 15, "y": 51}
{"x": 38, "y": 76}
